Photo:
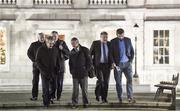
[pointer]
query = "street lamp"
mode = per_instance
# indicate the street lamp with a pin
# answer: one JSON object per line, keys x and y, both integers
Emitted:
{"x": 136, "y": 28}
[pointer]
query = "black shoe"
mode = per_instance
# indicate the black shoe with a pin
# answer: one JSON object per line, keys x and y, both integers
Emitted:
{"x": 33, "y": 99}
{"x": 58, "y": 98}
{"x": 131, "y": 101}
{"x": 85, "y": 106}
{"x": 97, "y": 98}
{"x": 46, "y": 105}
{"x": 51, "y": 101}
{"x": 120, "y": 101}
{"x": 74, "y": 106}
{"x": 104, "y": 101}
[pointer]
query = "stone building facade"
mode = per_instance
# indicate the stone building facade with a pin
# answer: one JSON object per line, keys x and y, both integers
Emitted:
{"x": 158, "y": 38}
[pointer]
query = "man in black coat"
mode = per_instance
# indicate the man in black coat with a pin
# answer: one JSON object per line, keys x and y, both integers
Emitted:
{"x": 32, "y": 54}
{"x": 64, "y": 52}
{"x": 79, "y": 64}
{"x": 100, "y": 52}
{"x": 48, "y": 63}
{"x": 122, "y": 53}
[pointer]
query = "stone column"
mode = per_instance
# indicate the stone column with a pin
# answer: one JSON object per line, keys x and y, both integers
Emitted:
{"x": 136, "y": 3}
{"x": 84, "y": 30}
{"x": 80, "y": 3}
{"x": 21, "y": 66}
{"x": 25, "y": 3}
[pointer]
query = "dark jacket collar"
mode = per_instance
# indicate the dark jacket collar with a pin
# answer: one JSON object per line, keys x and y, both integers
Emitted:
{"x": 39, "y": 42}
{"x": 80, "y": 48}
{"x": 117, "y": 38}
{"x": 99, "y": 42}
{"x": 45, "y": 46}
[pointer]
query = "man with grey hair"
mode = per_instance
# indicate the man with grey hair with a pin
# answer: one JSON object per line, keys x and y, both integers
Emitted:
{"x": 32, "y": 54}
{"x": 47, "y": 59}
{"x": 102, "y": 62}
{"x": 79, "y": 63}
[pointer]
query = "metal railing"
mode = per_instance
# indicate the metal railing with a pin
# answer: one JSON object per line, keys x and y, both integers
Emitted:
{"x": 107, "y": 2}
{"x": 52, "y": 2}
{"x": 67, "y": 3}
{"x": 7, "y": 2}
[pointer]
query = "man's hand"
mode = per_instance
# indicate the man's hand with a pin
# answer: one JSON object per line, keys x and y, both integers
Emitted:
{"x": 60, "y": 47}
{"x": 113, "y": 65}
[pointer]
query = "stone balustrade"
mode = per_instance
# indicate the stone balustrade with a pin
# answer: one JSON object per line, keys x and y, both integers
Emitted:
{"x": 52, "y": 2}
{"x": 7, "y": 2}
{"x": 107, "y": 2}
{"x": 90, "y": 3}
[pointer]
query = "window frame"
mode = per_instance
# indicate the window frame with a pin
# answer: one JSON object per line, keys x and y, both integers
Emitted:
{"x": 160, "y": 46}
{"x": 150, "y": 26}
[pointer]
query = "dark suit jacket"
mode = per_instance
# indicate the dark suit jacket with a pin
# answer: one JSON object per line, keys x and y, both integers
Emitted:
{"x": 63, "y": 54}
{"x": 95, "y": 52}
{"x": 33, "y": 50}
{"x": 80, "y": 62}
{"x": 47, "y": 61}
{"x": 116, "y": 52}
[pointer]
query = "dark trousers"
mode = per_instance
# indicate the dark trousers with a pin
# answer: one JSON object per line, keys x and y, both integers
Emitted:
{"x": 59, "y": 82}
{"x": 84, "y": 87}
{"x": 46, "y": 90}
{"x": 56, "y": 85}
{"x": 35, "y": 81}
{"x": 53, "y": 87}
{"x": 102, "y": 84}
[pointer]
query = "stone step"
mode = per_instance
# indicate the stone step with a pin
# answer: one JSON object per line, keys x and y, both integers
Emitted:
{"x": 20, "y": 100}
{"x": 178, "y": 103}
{"x": 112, "y": 95}
{"x": 142, "y": 88}
{"x": 87, "y": 109}
{"x": 112, "y": 106}
{"x": 110, "y": 92}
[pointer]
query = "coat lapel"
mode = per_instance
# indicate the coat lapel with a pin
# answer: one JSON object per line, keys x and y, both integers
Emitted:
{"x": 117, "y": 45}
{"x": 99, "y": 49}
{"x": 126, "y": 44}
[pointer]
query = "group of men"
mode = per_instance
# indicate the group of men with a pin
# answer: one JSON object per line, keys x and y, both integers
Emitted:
{"x": 49, "y": 54}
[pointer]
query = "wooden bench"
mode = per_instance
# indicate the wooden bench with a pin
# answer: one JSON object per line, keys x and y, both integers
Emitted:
{"x": 168, "y": 85}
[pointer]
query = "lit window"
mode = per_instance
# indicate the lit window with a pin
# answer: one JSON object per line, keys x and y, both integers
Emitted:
{"x": 161, "y": 47}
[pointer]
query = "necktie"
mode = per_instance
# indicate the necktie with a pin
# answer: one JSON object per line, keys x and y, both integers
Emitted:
{"x": 76, "y": 50}
{"x": 104, "y": 53}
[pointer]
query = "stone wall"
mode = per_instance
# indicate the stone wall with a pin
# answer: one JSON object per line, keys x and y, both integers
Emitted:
{"x": 86, "y": 24}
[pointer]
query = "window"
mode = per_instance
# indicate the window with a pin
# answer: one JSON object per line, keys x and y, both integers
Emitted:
{"x": 2, "y": 47}
{"x": 161, "y": 46}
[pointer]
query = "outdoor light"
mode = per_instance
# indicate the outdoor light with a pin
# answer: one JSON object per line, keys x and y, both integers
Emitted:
{"x": 136, "y": 30}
